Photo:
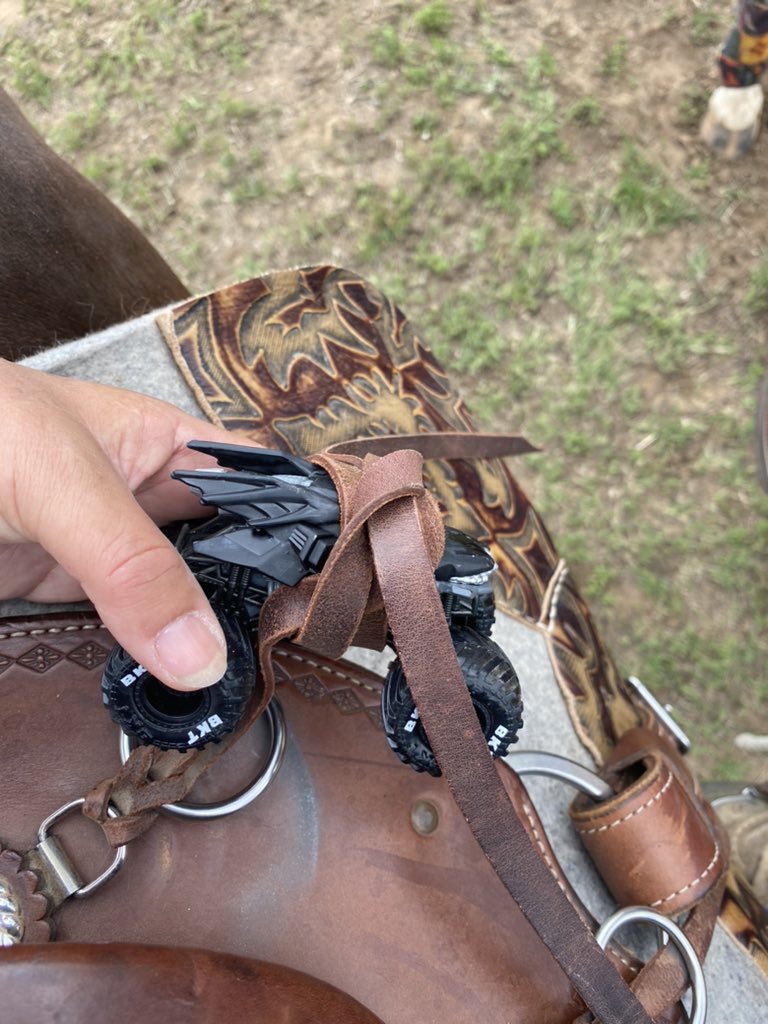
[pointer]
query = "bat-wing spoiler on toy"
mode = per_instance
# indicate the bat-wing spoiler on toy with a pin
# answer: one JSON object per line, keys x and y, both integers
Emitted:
{"x": 264, "y": 488}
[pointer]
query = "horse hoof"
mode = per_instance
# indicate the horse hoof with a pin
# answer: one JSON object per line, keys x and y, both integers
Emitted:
{"x": 732, "y": 121}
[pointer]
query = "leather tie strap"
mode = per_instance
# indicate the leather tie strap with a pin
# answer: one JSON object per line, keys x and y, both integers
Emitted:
{"x": 449, "y": 719}
{"x": 402, "y": 522}
{"x": 381, "y": 570}
{"x": 443, "y": 444}
{"x": 152, "y": 777}
{"x": 664, "y": 980}
{"x": 149, "y": 779}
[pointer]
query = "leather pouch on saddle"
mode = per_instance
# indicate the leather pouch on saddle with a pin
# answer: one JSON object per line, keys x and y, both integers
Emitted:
{"x": 412, "y": 897}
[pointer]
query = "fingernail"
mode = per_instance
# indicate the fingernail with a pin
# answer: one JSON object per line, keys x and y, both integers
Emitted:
{"x": 192, "y": 651}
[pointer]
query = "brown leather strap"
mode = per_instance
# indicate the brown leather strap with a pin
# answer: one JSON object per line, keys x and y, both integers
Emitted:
{"x": 149, "y": 779}
{"x": 384, "y": 498}
{"x": 446, "y": 711}
{"x": 653, "y": 843}
{"x": 658, "y": 844}
{"x": 390, "y": 499}
{"x": 320, "y": 613}
{"x": 439, "y": 445}
{"x": 664, "y": 979}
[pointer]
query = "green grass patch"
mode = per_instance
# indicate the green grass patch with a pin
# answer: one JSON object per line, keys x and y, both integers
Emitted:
{"x": 78, "y": 130}
{"x": 645, "y": 195}
{"x": 756, "y": 297}
{"x": 435, "y": 18}
{"x": 614, "y": 62}
{"x": 387, "y": 218}
{"x": 25, "y": 72}
{"x": 564, "y": 207}
{"x": 507, "y": 168}
{"x": 692, "y": 105}
{"x": 586, "y": 112}
{"x": 707, "y": 23}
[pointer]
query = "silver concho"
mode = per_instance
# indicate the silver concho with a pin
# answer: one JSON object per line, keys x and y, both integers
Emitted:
{"x": 22, "y": 907}
{"x": 11, "y": 923}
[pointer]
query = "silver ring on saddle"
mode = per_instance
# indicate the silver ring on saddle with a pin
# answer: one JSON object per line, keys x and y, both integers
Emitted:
{"x": 266, "y": 771}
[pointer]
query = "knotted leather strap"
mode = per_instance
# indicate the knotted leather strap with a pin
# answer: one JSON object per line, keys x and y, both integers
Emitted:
{"x": 384, "y": 560}
{"x": 404, "y": 535}
{"x": 324, "y": 614}
{"x": 149, "y": 779}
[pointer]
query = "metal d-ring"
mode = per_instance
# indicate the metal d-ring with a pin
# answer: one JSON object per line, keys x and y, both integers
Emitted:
{"x": 631, "y": 915}
{"x": 51, "y": 853}
{"x": 220, "y": 808}
{"x": 540, "y": 762}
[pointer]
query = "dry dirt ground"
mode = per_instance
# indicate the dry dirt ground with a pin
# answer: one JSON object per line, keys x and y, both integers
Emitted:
{"x": 527, "y": 179}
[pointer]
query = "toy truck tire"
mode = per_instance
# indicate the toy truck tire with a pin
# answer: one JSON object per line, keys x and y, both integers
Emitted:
{"x": 493, "y": 686}
{"x": 153, "y": 713}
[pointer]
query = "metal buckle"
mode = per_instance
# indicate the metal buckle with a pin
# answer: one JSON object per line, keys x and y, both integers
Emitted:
{"x": 52, "y": 854}
{"x": 274, "y": 717}
{"x": 631, "y": 915}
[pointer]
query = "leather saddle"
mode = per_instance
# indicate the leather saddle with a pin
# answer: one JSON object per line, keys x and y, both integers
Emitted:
{"x": 348, "y": 867}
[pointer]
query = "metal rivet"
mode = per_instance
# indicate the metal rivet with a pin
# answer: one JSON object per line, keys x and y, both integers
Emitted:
{"x": 424, "y": 817}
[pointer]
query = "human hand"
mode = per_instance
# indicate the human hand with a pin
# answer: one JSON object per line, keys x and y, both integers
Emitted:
{"x": 84, "y": 479}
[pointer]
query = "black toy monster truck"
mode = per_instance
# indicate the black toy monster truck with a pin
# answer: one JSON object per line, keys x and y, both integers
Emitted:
{"x": 277, "y": 521}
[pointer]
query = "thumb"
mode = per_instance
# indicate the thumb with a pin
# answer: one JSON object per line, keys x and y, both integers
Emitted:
{"x": 154, "y": 607}
{"x": 144, "y": 592}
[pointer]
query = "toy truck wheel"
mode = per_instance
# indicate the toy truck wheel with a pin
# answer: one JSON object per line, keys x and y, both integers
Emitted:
{"x": 493, "y": 686}
{"x": 155, "y": 714}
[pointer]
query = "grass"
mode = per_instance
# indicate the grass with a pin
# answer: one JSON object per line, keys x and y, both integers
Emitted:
{"x": 614, "y": 64}
{"x": 531, "y": 227}
{"x": 435, "y": 18}
{"x": 645, "y": 196}
{"x": 756, "y": 298}
{"x": 707, "y": 23}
